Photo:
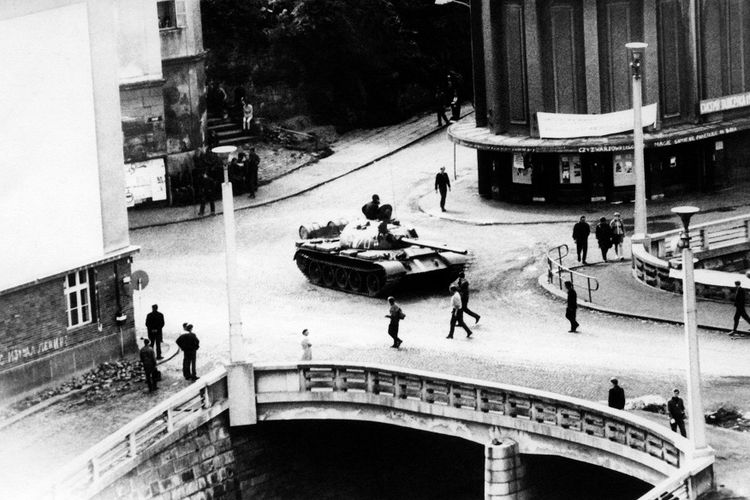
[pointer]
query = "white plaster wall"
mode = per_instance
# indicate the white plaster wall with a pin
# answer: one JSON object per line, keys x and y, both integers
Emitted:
{"x": 138, "y": 43}
{"x": 50, "y": 207}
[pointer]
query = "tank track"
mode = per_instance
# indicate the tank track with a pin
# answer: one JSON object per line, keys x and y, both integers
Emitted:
{"x": 347, "y": 276}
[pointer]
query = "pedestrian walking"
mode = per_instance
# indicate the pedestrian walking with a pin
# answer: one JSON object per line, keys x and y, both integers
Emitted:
{"x": 306, "y": 346}
{"x": 463, "y": 289}
{"x": 616, "y": 395}
{"x": 252, "y": 164}
{"x": 395, "y": 314}
{"x": 154, "y": 327}
{"x": 676, "y": 410}
{"x": 457, "y": 313}
{"x": 148, "y": 360}
{"x": 206, "y": 193}
{"x": 442, "y": 184}
{"x": 189, "y": 344}
{"x": 603, "y": 234}
{"x": 581, "y": 231}
{"x": 572, "y": 306}
{"x": 440, "y": 106}
{"x": 371, "y": 209}
{"x": 739, "y": 306}
{"x": 618, "y": 234}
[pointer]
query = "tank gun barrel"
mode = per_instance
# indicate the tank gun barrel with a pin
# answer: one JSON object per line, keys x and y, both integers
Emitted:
{"x": 433, "y": 246}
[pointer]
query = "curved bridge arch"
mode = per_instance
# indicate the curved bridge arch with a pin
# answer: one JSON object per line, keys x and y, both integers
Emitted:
{"x": 540, "y": 422}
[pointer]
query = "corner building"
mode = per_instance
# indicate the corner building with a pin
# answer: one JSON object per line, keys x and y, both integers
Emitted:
{"x": 65, "y": 255}
{"x": 569, "y": 56}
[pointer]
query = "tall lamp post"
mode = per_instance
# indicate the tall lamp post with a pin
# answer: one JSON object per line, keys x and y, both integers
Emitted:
{"x": 695, "y": 403}
{"x": 636, "y": 51}
{"x": 240, "y": 381}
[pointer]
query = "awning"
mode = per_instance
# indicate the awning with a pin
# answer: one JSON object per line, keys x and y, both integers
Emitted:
{"x": 466, "y": 133}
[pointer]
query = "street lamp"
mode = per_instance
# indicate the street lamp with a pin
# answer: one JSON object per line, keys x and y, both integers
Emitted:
{"x": 446, "y": 2}
{"x": 240, "y": 381}
{"x": 695, "y": 403}
{"x": 636, "y": 51}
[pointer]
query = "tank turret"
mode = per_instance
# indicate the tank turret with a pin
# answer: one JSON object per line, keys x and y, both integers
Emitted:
{"x": 372, "y": 257}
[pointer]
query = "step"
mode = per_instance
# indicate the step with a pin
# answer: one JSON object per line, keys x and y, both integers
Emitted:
{"x": 224, "y": 126}
{"x": 226, "y": 134}
{"x": 238, "y": 140}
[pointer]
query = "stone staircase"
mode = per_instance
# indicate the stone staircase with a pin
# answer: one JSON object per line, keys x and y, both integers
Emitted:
{"x": 228, "y": 132}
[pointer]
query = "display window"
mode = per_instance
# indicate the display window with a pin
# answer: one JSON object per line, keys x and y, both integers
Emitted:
{"x": 623, "y": 173}
{"x": 521, "y": 171}
{"x": 570, "y": 169}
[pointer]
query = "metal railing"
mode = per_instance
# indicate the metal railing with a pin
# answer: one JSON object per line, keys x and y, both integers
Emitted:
{"x": 703, "y": 237}
{"x": 571, "y": 415}
{"x": 103, "y": 463}
{"x": 556, "y": 270}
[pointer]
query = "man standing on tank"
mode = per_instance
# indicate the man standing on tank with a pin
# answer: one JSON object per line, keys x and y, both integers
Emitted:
{"x": 370, "y": 209}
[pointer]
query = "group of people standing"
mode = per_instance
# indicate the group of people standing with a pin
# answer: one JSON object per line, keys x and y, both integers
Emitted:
{"x": 608, "y": 234}
{"x": 187, "y": 342}
{"x": 675, "y": 406}
{"x": 209, "y": 174}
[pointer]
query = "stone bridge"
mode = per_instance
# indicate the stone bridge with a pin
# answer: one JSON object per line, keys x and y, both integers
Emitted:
{"x": 509, "y": 421}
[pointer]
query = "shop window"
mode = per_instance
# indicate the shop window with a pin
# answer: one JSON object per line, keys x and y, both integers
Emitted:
{"x": 623, "y": 174}
{"x": 522, "y": 169}
{"x": 78, "y": 298}
{"x": 171, "y": 14}
{"x": 570, "y": 169}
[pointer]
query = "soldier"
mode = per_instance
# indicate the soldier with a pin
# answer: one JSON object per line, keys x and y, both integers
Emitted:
{"x": 148, "y": 360}
{"x": 370, "y": 209}
{"x": 154, "y": 326}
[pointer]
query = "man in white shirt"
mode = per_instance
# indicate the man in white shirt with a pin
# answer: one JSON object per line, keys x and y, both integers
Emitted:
{"x": 457, "y": 313}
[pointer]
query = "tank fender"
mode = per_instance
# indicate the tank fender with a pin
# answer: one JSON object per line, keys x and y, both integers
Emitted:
{"x": 392, "y": 267}
{"x": 453, "y": 259}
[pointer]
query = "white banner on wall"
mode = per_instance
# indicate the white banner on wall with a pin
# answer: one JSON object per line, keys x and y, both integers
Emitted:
{"x": 144, "y": 181}
{"x": 568, "y": 126}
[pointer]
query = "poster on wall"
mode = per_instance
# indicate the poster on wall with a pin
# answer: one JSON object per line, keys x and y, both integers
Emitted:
{"x": 145, "y": 181}
{"x": 570, "y": 169}
{"x": 622, "y": 170}
{"x": 521, "y": 172}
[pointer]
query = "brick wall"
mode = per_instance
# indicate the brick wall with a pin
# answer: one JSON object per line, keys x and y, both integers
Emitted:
{"x": 36, "y": 345}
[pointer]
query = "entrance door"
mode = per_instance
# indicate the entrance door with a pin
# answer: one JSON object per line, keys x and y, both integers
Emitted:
{"x": 599, "y": 176}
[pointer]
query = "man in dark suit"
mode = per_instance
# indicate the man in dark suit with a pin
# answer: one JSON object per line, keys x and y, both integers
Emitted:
{"x": 581, "y": 231}
{"x": 739, "y": 306}
{"x": 572, "y": 306}
{"x": 616, "y": 395}
{"x": 148, "y": 360}
{"x": 370, "y": 209}
{"x": 463, "y": 289}
{"x": 676, "y": 410}
{"x": 442, "y": 184}
{"x": 154, "y": 327}
{"x": 189, "y": 344}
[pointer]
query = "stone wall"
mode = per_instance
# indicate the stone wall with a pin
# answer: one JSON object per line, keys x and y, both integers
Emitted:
{"x": 36, "y": 345}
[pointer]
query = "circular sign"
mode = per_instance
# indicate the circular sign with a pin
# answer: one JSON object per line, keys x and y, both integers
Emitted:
{"x": 139, "y": 279}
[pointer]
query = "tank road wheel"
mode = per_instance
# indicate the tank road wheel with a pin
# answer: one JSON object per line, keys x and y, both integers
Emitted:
{"x": 374, "y": 284}
{"x": 328, "y": 276}
{"x": 355, "y": 281}
{"x": 315, "y": 272}
{"x": 340, "y": 275}
{"x": 302, "y": 264}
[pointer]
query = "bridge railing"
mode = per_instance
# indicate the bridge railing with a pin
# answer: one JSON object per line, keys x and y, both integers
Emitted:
{"x": 113, "y": 456}
{"x": 550, "y": 410}
{"x": 559, "y": 273}
{"x": 703, "y": 237}
{"x": 683, "y": 484}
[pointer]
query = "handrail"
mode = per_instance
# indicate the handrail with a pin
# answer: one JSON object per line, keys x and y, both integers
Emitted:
{"x": 531, "y": 405}
{"x": 131, "y": 440}
{"x": 553, "y": 264}
{"x": 677, "y": 486}
{"x": 705, "y": 236}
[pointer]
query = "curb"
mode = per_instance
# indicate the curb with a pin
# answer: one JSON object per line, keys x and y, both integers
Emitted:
{"x": 306, "y": 189}
{"x": 555, "y": 292}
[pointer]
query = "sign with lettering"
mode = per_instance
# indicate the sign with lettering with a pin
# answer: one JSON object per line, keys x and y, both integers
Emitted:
{"x": 725, "y": 102}
{"x": 32, "y": 350}
{"x": 568, "y": 126}
{"x": 144, "y": 181}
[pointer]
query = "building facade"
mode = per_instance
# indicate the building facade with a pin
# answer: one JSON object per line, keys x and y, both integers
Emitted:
{"x": 162, "y": 90}
{"x": 567, "y": 58}
{"x": 65, "y": 299}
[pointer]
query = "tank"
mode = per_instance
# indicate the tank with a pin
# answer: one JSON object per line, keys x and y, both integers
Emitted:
{"x": 372, "y": 257}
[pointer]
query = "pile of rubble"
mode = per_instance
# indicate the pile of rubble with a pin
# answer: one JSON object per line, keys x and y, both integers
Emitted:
{"x": 729, "y": 417}
{"x": 103, "y": 382}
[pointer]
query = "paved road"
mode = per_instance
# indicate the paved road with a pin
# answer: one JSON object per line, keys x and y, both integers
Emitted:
{"x": 521, "y": 338}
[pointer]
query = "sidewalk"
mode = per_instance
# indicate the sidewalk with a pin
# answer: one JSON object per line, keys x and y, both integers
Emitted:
{"x": 352, "y": 151}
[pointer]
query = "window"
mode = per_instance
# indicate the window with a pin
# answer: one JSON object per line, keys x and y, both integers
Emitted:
{"x": 78, "y": 298}
{"x": 171, "y": 14}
